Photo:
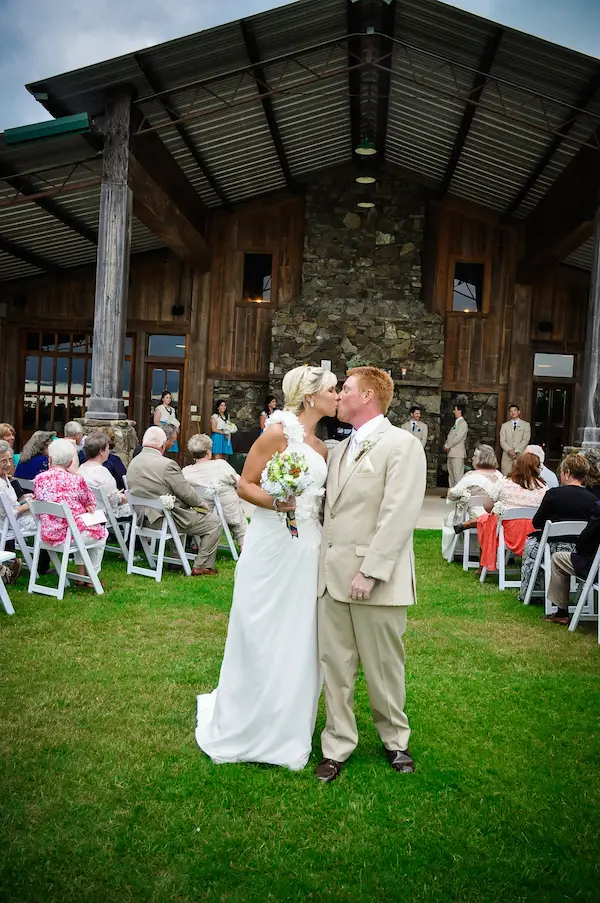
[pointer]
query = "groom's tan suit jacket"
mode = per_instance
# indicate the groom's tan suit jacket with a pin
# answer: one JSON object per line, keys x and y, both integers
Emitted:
{"x": 371, "y": 509}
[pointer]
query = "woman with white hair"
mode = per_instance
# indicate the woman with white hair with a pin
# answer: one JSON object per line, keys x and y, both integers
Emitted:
{"x": 477, "y": 482}
{"x": 58, "y": 485}
{"x": 265, "y": 706}
{"x": 213, "y": 475}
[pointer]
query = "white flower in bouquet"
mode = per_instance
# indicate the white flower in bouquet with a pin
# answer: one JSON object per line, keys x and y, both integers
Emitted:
{"x": 286, "y": 476}
{"x": 168, "y": 501}
{"x": 499, "y": 508}
{"x": 230, "y": 428}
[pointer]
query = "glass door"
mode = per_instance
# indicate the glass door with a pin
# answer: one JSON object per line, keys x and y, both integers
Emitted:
{"x": 552, "y": 420}
{"x": 164, "y": 378}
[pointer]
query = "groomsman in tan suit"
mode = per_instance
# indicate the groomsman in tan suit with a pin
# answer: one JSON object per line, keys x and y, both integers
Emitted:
{"x": 515, "y": 435}
{"x": 415, "y": 425}
{"x": 455, "y": 445}
{"x": 375, "y": 491}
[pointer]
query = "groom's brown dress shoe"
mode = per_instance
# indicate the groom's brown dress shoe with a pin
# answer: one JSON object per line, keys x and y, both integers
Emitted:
{"x": 327, "y": 770}
{"x": 400, "y": 760}
{"x": 204, "y": 572}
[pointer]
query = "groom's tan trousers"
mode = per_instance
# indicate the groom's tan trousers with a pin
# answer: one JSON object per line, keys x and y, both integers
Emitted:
{"x": 353, "y": 633}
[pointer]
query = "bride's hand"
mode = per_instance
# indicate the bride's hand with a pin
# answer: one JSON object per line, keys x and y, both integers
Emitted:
{"x": 288, "y": 505}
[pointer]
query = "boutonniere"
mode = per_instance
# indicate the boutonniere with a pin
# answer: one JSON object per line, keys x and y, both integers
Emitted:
{"x": 364, "y": 449}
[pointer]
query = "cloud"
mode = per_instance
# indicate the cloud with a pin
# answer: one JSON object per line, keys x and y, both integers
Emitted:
{"x": 68, "y": 34}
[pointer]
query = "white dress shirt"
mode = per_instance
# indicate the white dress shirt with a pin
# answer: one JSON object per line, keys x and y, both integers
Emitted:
{"x": 363, "y": 432}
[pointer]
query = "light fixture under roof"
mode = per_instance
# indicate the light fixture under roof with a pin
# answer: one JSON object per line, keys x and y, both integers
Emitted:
{"x": 365, "y": 175}
{"x": 365, "y": 204}
{"x": 366, "y": 148}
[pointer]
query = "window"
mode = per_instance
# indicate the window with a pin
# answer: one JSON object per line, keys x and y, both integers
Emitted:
{"x": 258, "y": 284}
{"x": 58, "y": 371}
{"x": 469, "y": 287}
{"x": 166, "y": 346}
{"x": 558, "y": 366}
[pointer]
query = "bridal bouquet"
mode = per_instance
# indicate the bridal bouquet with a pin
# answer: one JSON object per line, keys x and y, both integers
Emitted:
{"x": 285, "y": 477}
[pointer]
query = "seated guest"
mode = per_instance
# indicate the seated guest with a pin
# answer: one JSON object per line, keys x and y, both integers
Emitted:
{"x": 151, "y": 475}
{"x": 523, "y": 488}
{"x": 7, "y": 433}
{"x": 113, "y": 463}
{"x": 209, "y": 473}
{"x": 476, "y": 482}
{"x": 74, "y": 433}
{"x": 592, "y": 481}
{"x": 34, "y": 456}
{"x": 171, "y": 432}
{"x": 12, "y": 493}
{"x": 569, "y": 501}
{"x": 57, "y": 484}
{"x": 547, "y": 475}
{"x": 567, "y": 564}
{"x": 97, "y": 450}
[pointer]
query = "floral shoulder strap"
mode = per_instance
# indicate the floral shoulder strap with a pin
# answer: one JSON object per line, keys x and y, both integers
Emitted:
{"x": 292, "y": 428}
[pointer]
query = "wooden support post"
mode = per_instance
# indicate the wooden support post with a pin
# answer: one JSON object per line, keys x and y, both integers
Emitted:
{"x": 112, "y": 273}
{"x": 590, "y": 419}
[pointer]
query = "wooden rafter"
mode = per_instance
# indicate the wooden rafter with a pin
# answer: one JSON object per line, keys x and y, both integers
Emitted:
{"x": 485, "y": 65}
{"x": 267, "y": 102}
{"x": 388, "y": 18}
{"x": 354, "y": 81}
{"x": 34, "y": 260}
{"x": 586, "y": 96}
{"x": 53, "y": 208}
{"x": 167, "y": 105}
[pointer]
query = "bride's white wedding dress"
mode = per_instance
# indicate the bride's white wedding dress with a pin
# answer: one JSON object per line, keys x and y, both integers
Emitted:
{"x": 264, "y": 708}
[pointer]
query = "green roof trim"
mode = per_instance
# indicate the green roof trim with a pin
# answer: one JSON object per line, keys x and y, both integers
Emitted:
{"x": 79, "y": 123}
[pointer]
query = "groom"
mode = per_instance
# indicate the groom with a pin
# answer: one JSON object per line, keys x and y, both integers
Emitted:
{"x": 375, "y": 491}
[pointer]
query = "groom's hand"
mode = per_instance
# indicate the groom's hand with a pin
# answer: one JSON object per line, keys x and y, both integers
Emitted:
{"x": 361, "y": 587}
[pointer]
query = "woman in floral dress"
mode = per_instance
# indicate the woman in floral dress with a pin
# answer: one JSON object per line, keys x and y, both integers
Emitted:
{"x": 58, "y": 485}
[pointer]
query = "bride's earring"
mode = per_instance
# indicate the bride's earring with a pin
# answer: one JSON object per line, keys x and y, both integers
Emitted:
{"x": 311, "y": 403}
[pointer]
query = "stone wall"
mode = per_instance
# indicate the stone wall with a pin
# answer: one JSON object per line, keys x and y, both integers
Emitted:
{"x": 361, "y": 295}
{"x": 245, "y": 400}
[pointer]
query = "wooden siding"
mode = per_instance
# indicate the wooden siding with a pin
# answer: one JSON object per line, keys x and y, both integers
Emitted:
{"x": 240, "y": 335}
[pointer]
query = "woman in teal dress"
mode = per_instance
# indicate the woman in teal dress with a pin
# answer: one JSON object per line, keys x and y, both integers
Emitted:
{"x": 165, "y": 413}
{"x": 222, "y": 428}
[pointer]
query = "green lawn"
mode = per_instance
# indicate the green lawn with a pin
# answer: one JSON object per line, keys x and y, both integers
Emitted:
{"x": 105, "y": 796}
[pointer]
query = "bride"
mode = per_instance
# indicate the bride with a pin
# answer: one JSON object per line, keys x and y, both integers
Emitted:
{"x": 264, "y": 708}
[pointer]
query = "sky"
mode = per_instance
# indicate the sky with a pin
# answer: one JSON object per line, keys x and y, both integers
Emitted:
{"x": 40, "y": 38}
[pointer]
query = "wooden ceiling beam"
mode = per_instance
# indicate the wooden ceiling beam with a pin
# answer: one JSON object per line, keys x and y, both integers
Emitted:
{"x": 354, "y": 24}
{"x": 485, "y": 64}
{"x": 564, "y": 218}
{"x": 165, "y": 101}
{"x": 34, "y": 260}
{"x": 53, "y": 208}
{"x": 586, "y": 96}
{"x": 388, "y": 19}
{"x": 262, "y": 86}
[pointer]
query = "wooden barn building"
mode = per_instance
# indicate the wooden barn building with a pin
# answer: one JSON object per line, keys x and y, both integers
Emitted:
{"x": 197, "y": 217}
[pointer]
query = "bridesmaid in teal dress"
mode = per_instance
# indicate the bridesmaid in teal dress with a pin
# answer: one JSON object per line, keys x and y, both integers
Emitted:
{"x": 221, "y": 431}
{"x": 270, "y": 406}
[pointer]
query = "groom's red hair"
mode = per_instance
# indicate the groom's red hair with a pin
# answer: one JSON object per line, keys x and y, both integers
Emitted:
{"x": 380, "y": 383}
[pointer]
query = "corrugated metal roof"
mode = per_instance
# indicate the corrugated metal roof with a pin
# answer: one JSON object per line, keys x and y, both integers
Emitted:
{"x": 437, "y": 52}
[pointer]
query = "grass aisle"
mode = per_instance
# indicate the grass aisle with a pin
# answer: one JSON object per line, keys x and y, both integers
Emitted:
{"x": 105, "y": 796}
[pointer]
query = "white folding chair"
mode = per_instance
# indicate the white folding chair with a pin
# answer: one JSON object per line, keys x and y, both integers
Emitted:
{"x": 213, "y": 497}
{"x": 125, "y": 483}
{"x": 153, "y": 539}
{"x": 504, "y": 554}
{"x": 585, "y": 596}
{"x": 476, "y": 501}
{"x": 7, "y": 605}
{"x": 26, "y": 485}
{"x": 120, "y": 529}
{"x": 74, "y": 543}
{"x": 11, "y": 530}
{"x": 543, "y": 559}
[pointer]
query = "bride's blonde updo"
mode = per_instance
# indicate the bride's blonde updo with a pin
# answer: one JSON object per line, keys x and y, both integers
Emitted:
{"x": 303, "y": 381}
